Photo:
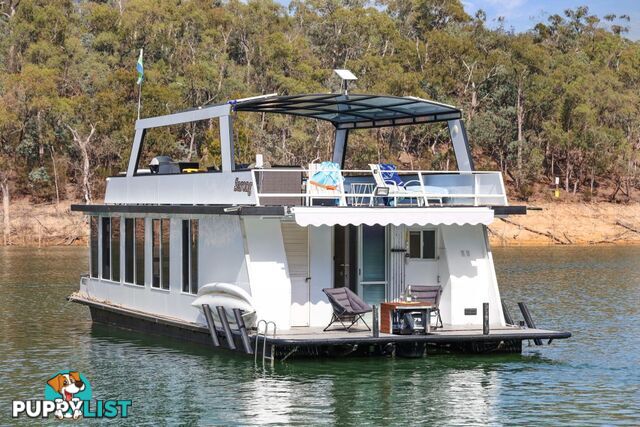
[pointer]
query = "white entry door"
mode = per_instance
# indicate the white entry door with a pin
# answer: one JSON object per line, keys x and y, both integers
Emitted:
{"x": 422, "y": 257}
{"x": 296, "y": 246}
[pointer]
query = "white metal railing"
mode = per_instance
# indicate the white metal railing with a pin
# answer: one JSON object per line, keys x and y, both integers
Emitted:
{"x": 358, "y": 188}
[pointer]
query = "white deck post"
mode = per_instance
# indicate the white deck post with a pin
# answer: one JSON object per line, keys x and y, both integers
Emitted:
{"x": 226, "y": 143}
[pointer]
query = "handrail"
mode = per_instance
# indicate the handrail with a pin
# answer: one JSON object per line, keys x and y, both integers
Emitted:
{"x": 368, "y": 171}
{"x": 423, "y": 196}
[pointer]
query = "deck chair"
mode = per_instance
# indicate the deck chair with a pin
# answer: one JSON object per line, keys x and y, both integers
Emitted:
{"x": 386, "y": 176}
{"x": 325, "y": 181}
{"x": 430, "y": 295}
{"x": 347, "y": 307}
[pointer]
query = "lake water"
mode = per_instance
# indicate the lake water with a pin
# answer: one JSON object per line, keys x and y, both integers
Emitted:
{"x": 591, "y": 379}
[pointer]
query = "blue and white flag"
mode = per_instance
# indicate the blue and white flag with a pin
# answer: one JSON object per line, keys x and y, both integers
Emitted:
{"x": 140, "y": 69}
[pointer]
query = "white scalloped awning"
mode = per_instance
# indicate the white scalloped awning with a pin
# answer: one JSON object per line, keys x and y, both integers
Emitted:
{"x": 317, "y": 216}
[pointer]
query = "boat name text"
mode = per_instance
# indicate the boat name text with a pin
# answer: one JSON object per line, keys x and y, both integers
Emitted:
{"x": 243, "y": 186}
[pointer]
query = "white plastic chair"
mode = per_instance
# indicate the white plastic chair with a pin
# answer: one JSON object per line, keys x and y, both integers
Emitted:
{"x": 406, "y": 190}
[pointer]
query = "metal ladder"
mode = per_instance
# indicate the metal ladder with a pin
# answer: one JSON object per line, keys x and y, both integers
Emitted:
{"x": 264, "y": 334}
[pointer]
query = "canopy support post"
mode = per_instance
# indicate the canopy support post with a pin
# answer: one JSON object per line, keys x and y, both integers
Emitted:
{"x": 461, "y": 145}
{"x": 226, "y": 143}
{"x": 340, "y": 146}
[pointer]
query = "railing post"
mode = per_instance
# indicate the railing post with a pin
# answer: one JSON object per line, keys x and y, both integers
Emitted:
{"x": 376, "y": 326}
{"x": 255, "y": 186}
{"x": 422, "y": 190}
{"x": 485, "y": 318}
{"x": 475, "y": 189}
{"x": 529, "y": 320}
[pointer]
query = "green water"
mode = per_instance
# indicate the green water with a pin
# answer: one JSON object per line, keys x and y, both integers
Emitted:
{"x": 590, "y": 379}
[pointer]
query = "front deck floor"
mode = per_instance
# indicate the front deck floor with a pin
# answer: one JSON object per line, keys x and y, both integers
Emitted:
{"x": 448, "y": 334}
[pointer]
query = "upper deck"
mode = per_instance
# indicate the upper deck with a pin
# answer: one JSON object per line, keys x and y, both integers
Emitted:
{"x": 292, "y": 187}
{"x": 296, "y": 186}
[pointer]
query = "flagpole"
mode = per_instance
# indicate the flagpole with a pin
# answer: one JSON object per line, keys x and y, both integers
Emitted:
{"x": 140, "y": 69}
{"x": 139, "y": 98}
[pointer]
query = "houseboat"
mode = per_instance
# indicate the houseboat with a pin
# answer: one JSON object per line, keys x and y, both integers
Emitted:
{"x": 254, "y": 258}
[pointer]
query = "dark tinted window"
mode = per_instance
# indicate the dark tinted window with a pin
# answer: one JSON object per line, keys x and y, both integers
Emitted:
{"x": 429, "y": 244}
{"x": 164, "y": 249}
{"x": 185, "y": 255}
{"x": 139, "y": 251}
{"x": 194, "y": 256}
{"x": 106, "y": 248}
{"x": 93, "y": 242}
{"x": 115, "y": 248}
{"x": 129, "y": 250}
{"x": 190, "y": 256}
{"x": 414, "y": 244}
{"x": 155, "y": 231}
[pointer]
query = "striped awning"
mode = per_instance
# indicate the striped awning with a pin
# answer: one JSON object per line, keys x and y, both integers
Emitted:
{"x": 321, "y": 215}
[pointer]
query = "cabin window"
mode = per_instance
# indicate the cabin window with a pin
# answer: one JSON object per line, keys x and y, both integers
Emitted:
{"x": 115, "y": 248}
{"x": 161, "y": 245}
{"x": 134, "y": 250}
{"x": 129, "y": 249}
{"x": 106, "y": 248}
{"x": 139, "y": 251}
{"x": 422, "y": 244}
{"x": 190, "y": 256}
{"x": 93, "y": 239}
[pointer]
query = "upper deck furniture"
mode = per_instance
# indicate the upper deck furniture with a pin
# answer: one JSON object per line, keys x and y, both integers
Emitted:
{"x": 347, "y": 307}
{"x": 429, "y": 295}
{"x": 326, "y": 183}
{"x": 386, "y": 176}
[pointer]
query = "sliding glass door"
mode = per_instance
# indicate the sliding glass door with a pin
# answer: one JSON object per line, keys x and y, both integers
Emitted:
{"x": 373, "y": 263}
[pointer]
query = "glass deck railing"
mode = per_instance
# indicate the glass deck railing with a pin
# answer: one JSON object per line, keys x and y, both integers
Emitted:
{"x": 368, "y": 188}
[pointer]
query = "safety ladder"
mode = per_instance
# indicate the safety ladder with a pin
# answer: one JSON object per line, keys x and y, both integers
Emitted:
{"x": 264, "y": 334}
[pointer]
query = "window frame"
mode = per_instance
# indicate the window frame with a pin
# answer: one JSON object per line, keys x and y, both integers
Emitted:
{"x": 94, "y": 246}
{"x": 422, "y": 241}
{"x": 105, "y": 245}
{"x": 189, "y": 286}
{"x": 115, "y": 254}
{"x": 158, "y": 225}
{"x": 139, "y": 257}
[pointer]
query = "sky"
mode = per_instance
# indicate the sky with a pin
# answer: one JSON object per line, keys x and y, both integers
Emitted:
{"x": 522, "y": 15}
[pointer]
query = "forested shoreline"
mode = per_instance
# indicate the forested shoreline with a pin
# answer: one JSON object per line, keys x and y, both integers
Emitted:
{"x": 561, "y": 100}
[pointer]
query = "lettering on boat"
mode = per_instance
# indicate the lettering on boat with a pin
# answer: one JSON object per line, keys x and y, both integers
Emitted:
{"x": 243, "y": 186}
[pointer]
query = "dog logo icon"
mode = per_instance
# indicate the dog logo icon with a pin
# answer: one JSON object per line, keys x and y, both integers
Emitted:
{"x": 67, "y": 395}
{"x": 71, "y": 387}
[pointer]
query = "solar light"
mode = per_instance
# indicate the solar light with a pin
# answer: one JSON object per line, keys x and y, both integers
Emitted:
{"x": 346, "y": 77}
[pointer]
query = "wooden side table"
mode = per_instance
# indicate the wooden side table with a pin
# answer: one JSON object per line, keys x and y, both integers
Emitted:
{"x": 387, "y": 309}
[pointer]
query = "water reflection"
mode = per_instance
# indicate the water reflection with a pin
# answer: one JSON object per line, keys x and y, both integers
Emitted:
{"x": 591, "y": 379}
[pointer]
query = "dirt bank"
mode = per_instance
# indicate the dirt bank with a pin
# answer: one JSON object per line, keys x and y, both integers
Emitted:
{"x": 555, "y": 224}
{"x": 570, "y": 223}
{"x": 46, "y": 224}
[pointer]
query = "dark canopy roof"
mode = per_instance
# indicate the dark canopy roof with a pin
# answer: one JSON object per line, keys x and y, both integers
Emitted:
{"x": 353, "y": 111}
